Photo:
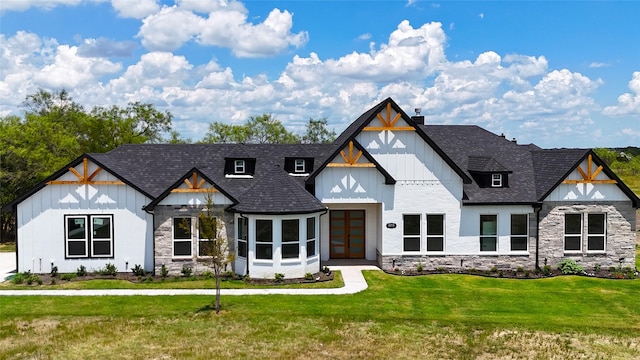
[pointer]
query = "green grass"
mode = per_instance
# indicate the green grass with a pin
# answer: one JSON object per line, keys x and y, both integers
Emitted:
{"x": 436, "y": 316}
{"x": 8, "y": 247}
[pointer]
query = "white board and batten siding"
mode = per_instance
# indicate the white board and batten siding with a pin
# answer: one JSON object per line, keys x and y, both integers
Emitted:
{"x": 586, "y": 191}
{"x": 41, "y": 224}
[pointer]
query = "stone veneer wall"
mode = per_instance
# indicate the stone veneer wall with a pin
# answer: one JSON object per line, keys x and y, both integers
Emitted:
{"x": 620, "y": 241}
{"x": 163, "y": 238}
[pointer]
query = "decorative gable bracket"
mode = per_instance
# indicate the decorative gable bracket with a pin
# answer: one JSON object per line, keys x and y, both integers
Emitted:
{"x": 194, "y": 185}
{"x": 388, "y": 123}
{"x": 351, "y": 159}
{"x": 589, "y": 177}
{"x": 85, "y": 178}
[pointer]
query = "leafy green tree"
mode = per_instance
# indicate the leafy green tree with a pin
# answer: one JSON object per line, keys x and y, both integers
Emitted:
{"x": 317, "y": 132}
{"x": 221, "y": 133}
{"x": 607, "y": 155}
{"x": 265, "y": 129}
{"x": 217, "y": 249}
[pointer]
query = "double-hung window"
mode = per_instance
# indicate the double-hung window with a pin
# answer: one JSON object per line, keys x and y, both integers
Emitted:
{"x": 519, "y": 232}
{"x": 435, "y": 232}
{"x": 206, "y": 233}
{"x": 496, "y": 180}
{"x": 89, "y": 236}
{"x": 290, "y": 239}
{"x": 488, "y": 232}
{"x": 239, "y": 167}
{"x": 311, "y": 236}
{"x": 596, "y": 232}
{"x": 243, "y": 230}
{"x": 299, "y": 166}
{"x": 182, "y": 231}
{"x": 264, "y": 239}
{"x": 572, "y": 232}
{"x": 411, "y": 232}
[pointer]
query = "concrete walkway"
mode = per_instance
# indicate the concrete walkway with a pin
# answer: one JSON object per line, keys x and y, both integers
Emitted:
{"x": 353, "y": 283}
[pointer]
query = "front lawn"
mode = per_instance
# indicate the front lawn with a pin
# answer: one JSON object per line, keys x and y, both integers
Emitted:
{"x": 8, "y": 247}
{"x": 432, "y": 317}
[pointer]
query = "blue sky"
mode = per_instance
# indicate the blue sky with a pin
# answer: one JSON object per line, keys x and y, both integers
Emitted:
{"x": 558, "y": 74}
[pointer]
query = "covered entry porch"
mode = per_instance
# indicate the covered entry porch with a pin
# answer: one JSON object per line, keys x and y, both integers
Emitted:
{"x": 350, "y": 234}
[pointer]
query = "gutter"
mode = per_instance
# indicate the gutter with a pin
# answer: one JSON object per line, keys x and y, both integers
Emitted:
{"x": 247, "y": 219}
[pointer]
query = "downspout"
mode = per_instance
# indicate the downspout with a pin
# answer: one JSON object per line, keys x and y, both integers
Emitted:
{"x": 247, "y": 219}
{"x": 153, "y": 225}
{"x": 537, "y": 209}
{"x": 326, "y": 210}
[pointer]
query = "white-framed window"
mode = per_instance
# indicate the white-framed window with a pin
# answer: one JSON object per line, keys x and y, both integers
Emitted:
{"x": 488, "y": 232}
{"x": 596, "y": 232}
{"x": 242, "y": 233}
{"x": 88, "y": 236}
{"x": 290, "y": 238}
{"x": 572, "y": 232}
{"x": 264, "y": 239}
{"x": 435, "y": 232}
{"x": 299, "y": 166}
{"x": 496, "y": 180}
{"x": 311, "y": 236}
{"x": 182, "y": 237}
{"x": 411, "y": 232}
{"x": 519, "y": 232}
{"x": 206, "y": 232}
{"x": 239, "y": 167}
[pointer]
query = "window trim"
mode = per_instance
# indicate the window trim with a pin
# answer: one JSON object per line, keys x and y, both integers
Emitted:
{"x": 495, "y": 236}
{"x": 263, "y": 243}
{"x": 443, "y": 236}
{"x": 289, "y": 242}
{"x": 312, "y": 239}
{"x": 299, "y": 166}
{"x": 565, "y": 234}
{"x": 174, "y": 240}
{"x": 496, "y": 180}
{"x": 603, "y": 234}
{"x": 413, "y": 237}
{"x": 525, "y": 235}
{"x": 88, "y": 239}
{"x": 244, "y": 224}
{"x": 239, "y": 166}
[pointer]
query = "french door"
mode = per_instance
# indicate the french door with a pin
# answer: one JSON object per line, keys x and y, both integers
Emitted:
{"x": 347, "y": 234}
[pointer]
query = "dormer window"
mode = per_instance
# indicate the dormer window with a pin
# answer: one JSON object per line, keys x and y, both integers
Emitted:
{"x": 496, "y": 180}
{"x": 239, "y": 167}
{"x": 299, "y": 166}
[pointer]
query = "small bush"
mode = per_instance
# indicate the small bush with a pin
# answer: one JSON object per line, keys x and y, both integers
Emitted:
{"x": 186, "y": 271}
{"x": 308, "y": 276}
{"x": 149, "y": 279}
{"x": 109, "y": 269}
{"x": 81, "y": 271}
{"x": 494, "y": 269}
{"x": 500, "y": 273}
{"x": 420, "y": 268}
{"x": 164, "y": 272}
{"x": 527, "y": 274}
{"x": 279, "y": 277}
{"x": 570, "y": 267}
{"x": 440, "y": 269}
{"x": 26, "y": 277}
{"x": 597, "y": 267}
{"x": 326, "y": 270}
{"x": 228, "y": 274}
{"x": 520, "y": 269}
{"x": 53, "y": 281}
{"x": 208, "y": 274}
{"x": 546, "y": 270}
{"x": 138, "y": 270}
{"x": 68, "y": 276}
{"x": 54, "y": 271}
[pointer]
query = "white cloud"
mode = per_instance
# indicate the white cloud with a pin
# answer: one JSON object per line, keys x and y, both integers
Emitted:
{"x": 481, "y": 15}
{"x": 595, "y": 65}
{"x": 225, "y": 26}
{"x": 628, "y": 103}
{"x": 102, "y": 47}
{"x": 137, "y": 9}
{"x": 365, "y": 36}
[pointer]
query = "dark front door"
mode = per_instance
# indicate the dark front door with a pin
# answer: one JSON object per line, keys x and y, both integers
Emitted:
{"x": 347, "y": 234}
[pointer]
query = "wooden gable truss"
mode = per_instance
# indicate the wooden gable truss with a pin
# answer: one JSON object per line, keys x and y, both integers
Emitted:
{"x": 85, "y": 178}
{"x": 388, "y": 123}
{"x": 351, "y": 158}
{"x": 194, "y": 185}
{"x": 589, "y": 177}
